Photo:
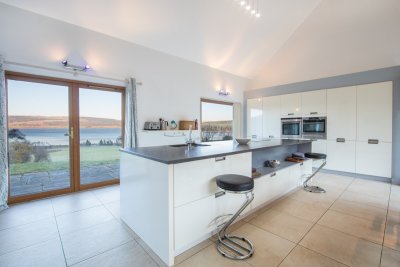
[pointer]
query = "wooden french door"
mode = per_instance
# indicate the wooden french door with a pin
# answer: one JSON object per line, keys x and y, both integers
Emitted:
{"x": 63, "y": 135}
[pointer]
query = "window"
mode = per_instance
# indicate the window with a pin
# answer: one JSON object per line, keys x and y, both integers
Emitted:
{"x": 216, "y": 120}
{"x": 63, "y": 136}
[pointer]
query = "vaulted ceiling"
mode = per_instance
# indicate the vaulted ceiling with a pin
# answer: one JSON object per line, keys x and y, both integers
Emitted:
{"x": 292, "y": 41}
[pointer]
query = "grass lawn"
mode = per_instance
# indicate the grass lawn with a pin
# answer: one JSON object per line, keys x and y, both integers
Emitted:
{"x": 90, "y": 156}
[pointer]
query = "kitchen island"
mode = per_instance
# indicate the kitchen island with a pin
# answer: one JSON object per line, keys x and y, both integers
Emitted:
{"x": 169, "y": 197}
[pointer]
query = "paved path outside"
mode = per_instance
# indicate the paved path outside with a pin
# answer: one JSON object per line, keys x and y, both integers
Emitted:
{"x": 32, "y": 183}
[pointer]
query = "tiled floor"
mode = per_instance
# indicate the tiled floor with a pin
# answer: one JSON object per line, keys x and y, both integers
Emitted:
{"x": 356, "y": 223}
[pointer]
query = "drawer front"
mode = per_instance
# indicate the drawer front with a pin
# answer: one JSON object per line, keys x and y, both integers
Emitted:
{"x": 196, "y": 179}
{"x": 374, "y": 159}
{"x": 341, "y": 156}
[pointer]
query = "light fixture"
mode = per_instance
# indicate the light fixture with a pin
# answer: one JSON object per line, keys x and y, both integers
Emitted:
{"x": 223, "y": 92}
{"x": 74, "y": 67}
{"x": 252, "y": 6}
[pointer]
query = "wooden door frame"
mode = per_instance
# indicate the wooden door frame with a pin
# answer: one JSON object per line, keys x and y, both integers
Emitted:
{"x": 73, "y": 104}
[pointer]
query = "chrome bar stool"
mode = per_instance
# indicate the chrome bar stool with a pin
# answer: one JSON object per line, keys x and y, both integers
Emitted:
{"x": 230, "y": 246}
{"x": 313, "y": 188}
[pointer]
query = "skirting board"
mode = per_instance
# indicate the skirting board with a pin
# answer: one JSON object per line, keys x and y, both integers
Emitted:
{"x": 361, "y": 176}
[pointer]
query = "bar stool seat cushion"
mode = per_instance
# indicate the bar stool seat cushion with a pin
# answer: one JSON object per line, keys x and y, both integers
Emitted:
{"x": 315, "y": 155}
{"x": 235, "y": 182}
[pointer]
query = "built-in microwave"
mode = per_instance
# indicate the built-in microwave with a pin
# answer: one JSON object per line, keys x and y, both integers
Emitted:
{"x": 314, "y": 128}
{"x": 291, "y": 127}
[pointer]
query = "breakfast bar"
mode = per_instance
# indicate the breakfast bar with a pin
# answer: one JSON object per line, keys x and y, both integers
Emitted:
{"x": 169, "y": 196}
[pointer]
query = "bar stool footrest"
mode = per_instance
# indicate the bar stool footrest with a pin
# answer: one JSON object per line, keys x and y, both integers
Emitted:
{"x": 235, "y": 247}
{"x": 314, "y": 189}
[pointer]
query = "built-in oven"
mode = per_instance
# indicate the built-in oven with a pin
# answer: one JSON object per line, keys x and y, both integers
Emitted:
{"x": 291, "y": 127}
{"x": 314, "y": 128}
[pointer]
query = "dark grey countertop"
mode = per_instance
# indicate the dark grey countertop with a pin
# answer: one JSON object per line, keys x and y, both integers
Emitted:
{"x": 172, "y": 155}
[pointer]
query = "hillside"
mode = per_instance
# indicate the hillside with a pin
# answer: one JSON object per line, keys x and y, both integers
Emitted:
{"x": 33, "y": 122}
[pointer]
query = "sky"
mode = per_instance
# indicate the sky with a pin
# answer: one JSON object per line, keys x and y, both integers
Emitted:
{"x": 36, "y": 99}
{"x": 216, "y": 112}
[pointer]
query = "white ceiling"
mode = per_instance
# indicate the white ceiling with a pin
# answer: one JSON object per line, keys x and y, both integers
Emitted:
{"x": 216, "y": 33}
{"x": 294, "y": 40}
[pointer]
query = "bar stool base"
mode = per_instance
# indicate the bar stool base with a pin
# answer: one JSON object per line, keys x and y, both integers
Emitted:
{"x": 235, "y": 250}
{"x": 314, "y": 189}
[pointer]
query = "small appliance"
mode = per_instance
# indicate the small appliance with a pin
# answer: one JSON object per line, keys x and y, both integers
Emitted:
{"x": 152, "y": 125}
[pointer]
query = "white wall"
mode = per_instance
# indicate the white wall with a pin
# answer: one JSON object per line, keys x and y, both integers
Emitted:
{"x": 172, "y": 87}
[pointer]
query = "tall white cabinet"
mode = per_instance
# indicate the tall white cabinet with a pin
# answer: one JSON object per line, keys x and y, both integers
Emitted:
{"x": 291, "y": 105}
{"x": 313, "y": 103}
{"x": 341, "y": 131}
{"x": 374, "y": 129}
{"x": 271, "y": 116}
{"x": 254, "y": 118}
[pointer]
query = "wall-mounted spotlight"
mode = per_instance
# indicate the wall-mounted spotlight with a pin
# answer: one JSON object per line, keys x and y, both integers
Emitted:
{"x": 74, "y": 67}
{"x": 223, "y": 92}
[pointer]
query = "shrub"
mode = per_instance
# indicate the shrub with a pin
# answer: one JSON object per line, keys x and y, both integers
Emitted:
{"x": 41, "y": 154}
{"x": 20, "y": 152}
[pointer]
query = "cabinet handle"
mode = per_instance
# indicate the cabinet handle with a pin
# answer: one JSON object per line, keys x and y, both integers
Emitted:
{"x": 341, "y": 140}
{"x": 254, "y": 136}
{"x": 219, "y": 194}
{"x": 272, "y": 175}
{"x": 220, "y": 158}
{"x": 313, "y": 113}
{"x": 290, "y": 114}
{"x": 373, "y": 141}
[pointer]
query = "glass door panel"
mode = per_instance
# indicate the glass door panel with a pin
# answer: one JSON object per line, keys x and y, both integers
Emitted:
{"x": 38, "y": 137}
{"x": 100, "y": 135}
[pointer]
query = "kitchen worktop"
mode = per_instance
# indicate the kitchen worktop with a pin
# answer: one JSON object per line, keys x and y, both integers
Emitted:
{"x": 173, "y": 155}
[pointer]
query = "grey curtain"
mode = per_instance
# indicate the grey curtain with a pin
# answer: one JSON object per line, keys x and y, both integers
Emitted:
{"x": 131, "y": 124}
{"x": 3, "y": 141}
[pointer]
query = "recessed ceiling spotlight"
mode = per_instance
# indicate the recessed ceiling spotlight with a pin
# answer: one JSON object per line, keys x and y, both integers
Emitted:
{"x": 253, "y": 12}
{"x": 248, "y": 7}
{"x": 242, "y": 3}
{"x": 258, "y": 15}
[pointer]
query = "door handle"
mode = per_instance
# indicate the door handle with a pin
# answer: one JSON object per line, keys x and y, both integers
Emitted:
{"x": 71, "y": 132}
{"x": 219, "y": 194}
{"x": 290, "y": 114}
{"x": 313, "y": 113}
{"x": 373, "y": 141}
{"x": 341, "y": 140}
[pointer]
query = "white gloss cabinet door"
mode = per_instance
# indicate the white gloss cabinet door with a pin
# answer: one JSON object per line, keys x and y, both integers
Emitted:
{"x": 313, "y": 103}
{"x": 318, "y": 146}
{"x": 272, "y": 117}
{"x": 374, "y": 159}
{"x": 196, "y": 179}
{"x": 193, "y": 222}
{"x": 291, "y": 105}
{"x": 374, "y": 111}
{"x": 342, "y": 113}
{"x": 341, "y": 156}
{"x": 254, "y": 118}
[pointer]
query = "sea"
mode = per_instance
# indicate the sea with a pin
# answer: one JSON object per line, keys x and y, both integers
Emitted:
{"x": 59, "y": 137}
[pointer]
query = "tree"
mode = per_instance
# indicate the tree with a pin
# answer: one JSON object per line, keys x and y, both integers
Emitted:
{"x": 41, "y": 154}
{"x": 16, "y": 134}
{"x": 88, "y": 143}
{"x": 20, "y": 152}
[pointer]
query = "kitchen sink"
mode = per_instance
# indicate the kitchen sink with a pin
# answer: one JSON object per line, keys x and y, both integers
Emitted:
{"x": 185, "y": 145}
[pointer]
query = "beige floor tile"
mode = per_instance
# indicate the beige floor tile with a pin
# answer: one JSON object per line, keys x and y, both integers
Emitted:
{"x": 192, "y": 251}
{"x": 107, "y": 194}
{"x": 74, "y": 221}
{"x": 129, "y": 254}
{"x": 359, "y": 210}
{"x": 25, "y": 213}
{"x": 270, "y": 249}
{"x": 282, "y": 224}
{"x": 74, "y": 202}
{"x": 342, "y": 247}
{"x": 392, "y": 232}
{"x": 210, "y": 257}
{"x": 394, "y": 205}
{"x": 324, "y": 198}
{"x": 395, "y": 193}
{"x": 365, "y": 199}
{"x": 83, "y": 244}
{"x": 373, "y": 188}
{"x": 303, "y": 257}
{"x": 26, "y": 235}
{"x": 306, "y": 210}
{"x": 369, "y": 230}
{"x": 337, "y": 181}
{"x": 114, "y": 208}
{"x": 48, "y": 253}
{"x": 390, "y": 257}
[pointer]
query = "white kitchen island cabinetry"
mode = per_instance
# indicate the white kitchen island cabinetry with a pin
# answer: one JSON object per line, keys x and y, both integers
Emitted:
{"x": 169, "y": 196}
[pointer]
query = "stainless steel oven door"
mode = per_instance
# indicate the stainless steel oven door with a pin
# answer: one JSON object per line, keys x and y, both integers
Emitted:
{"x": 314, "y": 127}
{"x": 291, "y": 127}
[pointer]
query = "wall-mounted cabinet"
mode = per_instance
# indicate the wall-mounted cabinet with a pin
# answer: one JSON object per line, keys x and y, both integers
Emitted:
{"x": 342, "y": 113}
{"x": 313, "y": 103}
{"x": 291, "y": 105}
{"x": 254, "y": 118}
{"x": 271, "y": 116}
{"x": 374, "y": 111}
